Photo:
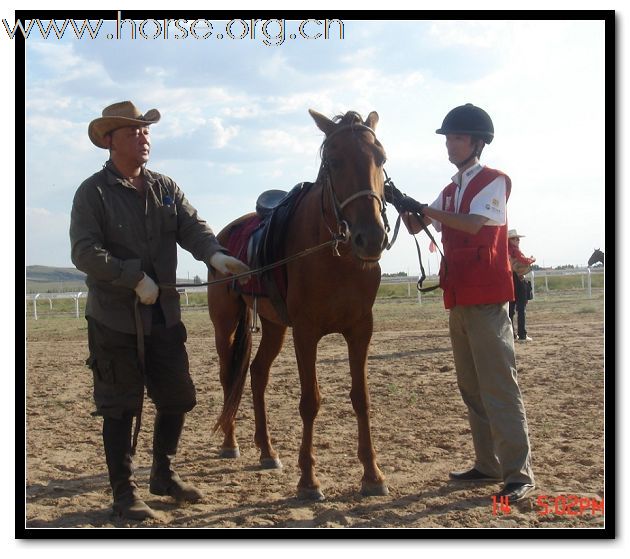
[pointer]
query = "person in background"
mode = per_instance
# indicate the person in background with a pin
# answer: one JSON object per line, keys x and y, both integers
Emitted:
{"x": 520, "y": 265}
{"x": 477, "y": 282}
{"x": 125, "y": 225}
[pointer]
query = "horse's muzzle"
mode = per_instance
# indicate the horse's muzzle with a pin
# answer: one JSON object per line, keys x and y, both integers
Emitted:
{"x": 368, "y": 243}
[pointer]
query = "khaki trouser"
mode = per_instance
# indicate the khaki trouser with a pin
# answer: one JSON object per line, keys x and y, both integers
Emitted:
{"x": 483, "y": 348}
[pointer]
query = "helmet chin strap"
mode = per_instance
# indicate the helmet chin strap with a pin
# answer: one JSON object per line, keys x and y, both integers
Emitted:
{"x": 460, "y": 164}
{"x": 476, "y": 152}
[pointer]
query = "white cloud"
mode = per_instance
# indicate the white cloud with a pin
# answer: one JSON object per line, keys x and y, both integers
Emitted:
{"x": 250, "y": 110}
{"x": 221, "y": 134}
{"x": 360, "y": 56}
{"x": 485, "y": 34}
{"x": 285, "y": 142}
{"x": 63, "y": 63}
{"x": 232, "y": 170}
{"x": 37, "y": 213}
{"x": 275, "y": 66}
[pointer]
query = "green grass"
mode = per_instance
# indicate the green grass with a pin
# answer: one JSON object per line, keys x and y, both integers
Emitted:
{"x": 564, "y": 283}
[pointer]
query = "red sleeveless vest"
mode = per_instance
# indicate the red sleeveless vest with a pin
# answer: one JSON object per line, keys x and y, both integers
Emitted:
{"x": 477, "y": 270}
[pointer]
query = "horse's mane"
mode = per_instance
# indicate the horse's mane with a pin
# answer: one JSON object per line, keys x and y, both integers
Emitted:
{"x": 349, "y": 118}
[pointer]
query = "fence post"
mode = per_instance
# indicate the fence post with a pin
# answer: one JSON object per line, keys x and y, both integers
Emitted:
{"x": 533, "y": 283}
{"x": 76, "y": 303}
{"x": 35, "y": 305}
{"x": 589, "y": 283}
{"x": 546, "y": 284}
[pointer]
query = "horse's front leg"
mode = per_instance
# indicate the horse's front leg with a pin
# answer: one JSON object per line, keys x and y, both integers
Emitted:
{"x": 305, "y": 342}
{"x": 358, "y": 339}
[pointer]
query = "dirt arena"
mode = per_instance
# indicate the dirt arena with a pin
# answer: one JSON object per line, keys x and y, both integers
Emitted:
{"x": 419, "y": 426}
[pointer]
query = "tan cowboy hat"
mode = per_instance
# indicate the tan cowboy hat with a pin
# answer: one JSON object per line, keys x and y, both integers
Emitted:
{"x": 117, "y": 116}
{"x": 512, "y": 234}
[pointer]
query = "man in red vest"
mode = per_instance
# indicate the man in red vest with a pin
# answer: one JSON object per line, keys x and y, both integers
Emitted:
{"x": 477, "y": 282}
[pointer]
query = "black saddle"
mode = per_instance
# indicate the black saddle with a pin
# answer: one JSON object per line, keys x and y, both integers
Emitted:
{"x": 266, "y": 246}
{"x": 271, "y": 199}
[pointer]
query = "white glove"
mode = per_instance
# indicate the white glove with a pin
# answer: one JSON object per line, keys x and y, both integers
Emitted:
{"x": 227, "y": 264}
{"x": 147, "y": 290}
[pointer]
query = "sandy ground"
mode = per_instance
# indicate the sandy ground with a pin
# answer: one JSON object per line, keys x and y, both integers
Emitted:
{"x": 419, "y": 426}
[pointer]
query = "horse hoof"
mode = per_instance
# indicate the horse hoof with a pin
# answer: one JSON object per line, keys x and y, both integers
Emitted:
{"x": 270, "y": 464}
{"x": 310, "y": 494}
{"x": 374, "y": 489}
{"x": 230, "y": 453}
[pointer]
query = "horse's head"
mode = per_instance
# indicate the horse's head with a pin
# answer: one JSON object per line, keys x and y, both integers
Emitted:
{"x": 352, "y": 170}
{"x": 597, "y": 256}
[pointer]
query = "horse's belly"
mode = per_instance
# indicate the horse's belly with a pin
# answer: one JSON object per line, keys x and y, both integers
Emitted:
{"x": 264, "y": 308}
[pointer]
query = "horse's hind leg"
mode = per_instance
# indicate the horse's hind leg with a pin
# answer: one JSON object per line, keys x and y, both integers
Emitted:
{"x": 270, "y": 345}
{"x": 358, "y": 339}
{"x": 225, "y": 309}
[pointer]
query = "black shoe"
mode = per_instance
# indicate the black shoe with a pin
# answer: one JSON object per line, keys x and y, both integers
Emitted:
{"x": 472, "y": 475}
{"x": 515, "y": 491}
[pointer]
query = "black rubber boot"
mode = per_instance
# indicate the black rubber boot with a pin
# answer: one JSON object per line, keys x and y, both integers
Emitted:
{"x": 117, "y": 442}
{"x": 164, "y": 481}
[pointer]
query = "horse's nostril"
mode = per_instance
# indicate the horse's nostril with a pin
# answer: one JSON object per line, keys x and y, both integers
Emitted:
{"x": 359, "y": 240}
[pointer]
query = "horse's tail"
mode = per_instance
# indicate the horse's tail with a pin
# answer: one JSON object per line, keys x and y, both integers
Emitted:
{"x": 239, "y": 363}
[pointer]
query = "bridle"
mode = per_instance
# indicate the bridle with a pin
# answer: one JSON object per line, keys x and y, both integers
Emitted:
{"x": 343, "y": 234}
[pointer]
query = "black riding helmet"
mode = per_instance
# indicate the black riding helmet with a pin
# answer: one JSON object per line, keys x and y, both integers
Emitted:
{"x": 468, "y": 119}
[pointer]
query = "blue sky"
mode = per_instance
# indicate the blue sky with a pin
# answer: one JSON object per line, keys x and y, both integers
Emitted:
{"x": 235, "y": 119}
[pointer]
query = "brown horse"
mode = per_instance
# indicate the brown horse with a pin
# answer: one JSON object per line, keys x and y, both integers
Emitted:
{"x": 325, "y": 293}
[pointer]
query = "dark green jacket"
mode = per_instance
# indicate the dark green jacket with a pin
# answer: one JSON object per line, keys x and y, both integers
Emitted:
{"x": 116, "y": 234}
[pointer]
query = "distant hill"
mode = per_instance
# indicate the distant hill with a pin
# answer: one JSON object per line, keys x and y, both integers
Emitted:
{"x": 49, "y": 273}
{"x": 49, "y": 279}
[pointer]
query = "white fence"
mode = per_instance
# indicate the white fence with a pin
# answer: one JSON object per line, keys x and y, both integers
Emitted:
{"x": 411, "y": 281}
{"x": 585, "y": 274}
{"x": 78, "y": 295}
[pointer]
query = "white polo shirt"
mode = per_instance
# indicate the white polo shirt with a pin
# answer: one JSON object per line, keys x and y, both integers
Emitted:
{"x": 489, "y": 202}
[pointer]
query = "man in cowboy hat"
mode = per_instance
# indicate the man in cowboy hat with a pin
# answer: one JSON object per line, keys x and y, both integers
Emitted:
{"x": 477, "y": 282}
{"x": 520, "y": 265}
{"x": 125, "y": 225}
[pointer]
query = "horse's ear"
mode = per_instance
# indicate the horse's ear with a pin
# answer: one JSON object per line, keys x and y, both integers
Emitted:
{"x": 323, "y": 123}
{"x": 372, "y": 120}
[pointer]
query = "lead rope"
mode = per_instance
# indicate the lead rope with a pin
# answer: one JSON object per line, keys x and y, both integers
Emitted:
{"x": 140, "y": 350}
{"x": 390, "y": 183}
